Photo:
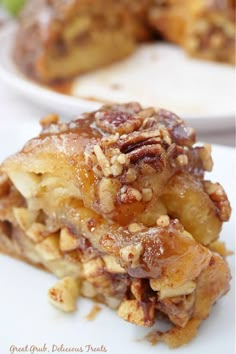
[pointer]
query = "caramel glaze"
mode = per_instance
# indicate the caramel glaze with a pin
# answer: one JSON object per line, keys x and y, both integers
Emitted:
{"x": 63, "y": 87}
{"x": 161, "y": 250}
{"x": 164, "y": 249}
{"x": 83, "y": 126}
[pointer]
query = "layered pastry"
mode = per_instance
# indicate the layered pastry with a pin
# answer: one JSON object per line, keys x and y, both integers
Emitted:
{"x": 57, "y": 40}
{"x": 115, "y": 204}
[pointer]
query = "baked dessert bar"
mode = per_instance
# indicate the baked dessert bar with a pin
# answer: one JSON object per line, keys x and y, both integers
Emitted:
{"x": 206, "y": 29}
{"x": 115, "y": 204}
{"x": 57, "y": 40}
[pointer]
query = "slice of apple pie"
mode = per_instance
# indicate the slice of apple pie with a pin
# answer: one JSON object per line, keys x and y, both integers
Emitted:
{"x": 115, "y": 204}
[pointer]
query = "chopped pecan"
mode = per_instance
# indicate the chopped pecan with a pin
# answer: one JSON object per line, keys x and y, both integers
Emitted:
{"x": 179, "y": 132}
{"x": 138, "y": 139}
{"x": 64, "y": 294}
{"x": 117, "y": 121}
{"x": 49, "y": 248}
{"x": 122, "y": 159}
{"x": 129, "y": 195}
{"x": 102, "y": 160}
{"x": 130, "y": 176}
{"x": 219, "y": 198}
{"x": 195, "y": 164}
{"x": 137, "y": 312}
{"x": 68, "y": 240}
{"x": 185, "y": 159}
{"x": 116, "y": 169}
{"x": 182, "y": 160}
{"x": 93, "y": 268}
{"x": 150, "y": 155}
{"x": 163, "y": 221}
{"x": 143, "y": 147}
{"x": 107, "y": 190}
{"x": 112, "y": 266}
{"x": 205, "y": 156}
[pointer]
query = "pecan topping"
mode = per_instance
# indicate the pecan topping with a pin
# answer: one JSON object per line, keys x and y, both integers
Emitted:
{"x": 143, "y": 146}
{"x": 150, "y": 155}
{"x": 180, "y": 133}
{"x": 219, "y": 198}
{"x": 106, "y": 193}
{"x": 117, "y": 122}
{"x": 138, "y": 139}
{"x": 163, "y": 221}
{"x": 129, "y": 195}
{"x": 199, "y": 160}
{"x": 103, "y": 161}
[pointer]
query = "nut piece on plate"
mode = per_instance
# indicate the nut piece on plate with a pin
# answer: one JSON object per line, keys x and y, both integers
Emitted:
{"x": 136, "y": 312}
{"x": 64, "y": 294}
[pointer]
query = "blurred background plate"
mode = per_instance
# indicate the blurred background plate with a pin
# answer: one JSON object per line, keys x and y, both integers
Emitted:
{"x": 157, "y": 74}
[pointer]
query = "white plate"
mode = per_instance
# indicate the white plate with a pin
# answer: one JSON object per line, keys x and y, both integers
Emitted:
{"x": 156, "y": 74}
{"x": 28, "y": 319}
